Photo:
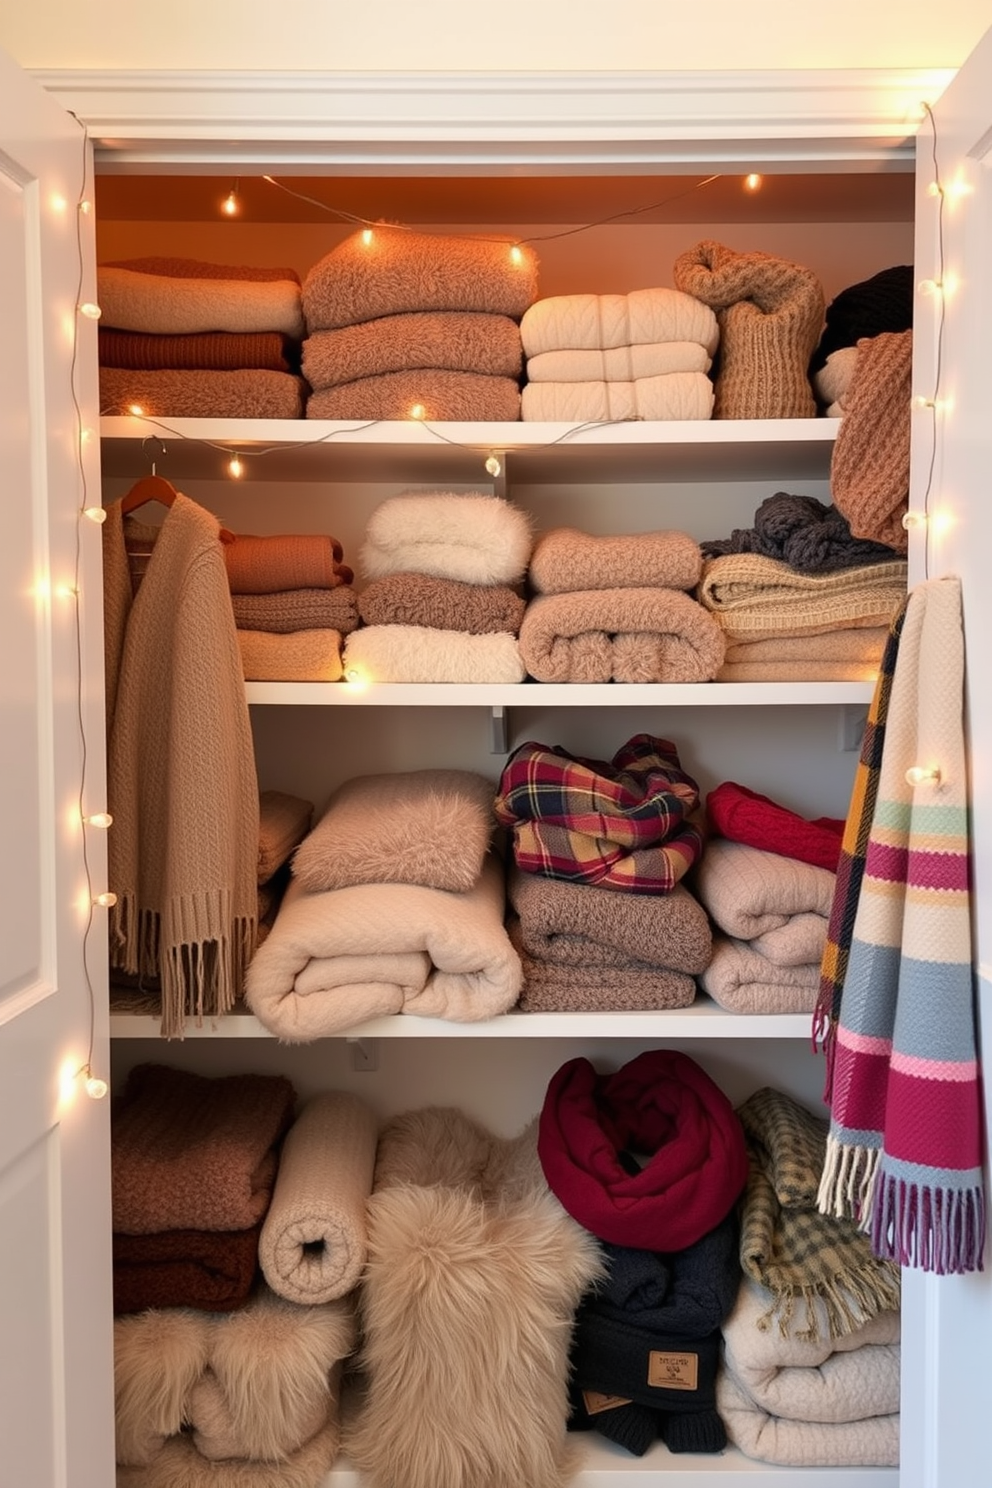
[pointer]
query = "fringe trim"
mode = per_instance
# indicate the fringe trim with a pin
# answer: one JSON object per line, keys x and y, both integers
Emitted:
{"x": 933, "y": 1229}
{"x": 847, "y": 1183}
{"x": 849, "y": 1301}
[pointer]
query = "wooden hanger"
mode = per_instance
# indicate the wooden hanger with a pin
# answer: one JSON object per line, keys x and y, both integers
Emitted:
{"x": 157, "y": 488}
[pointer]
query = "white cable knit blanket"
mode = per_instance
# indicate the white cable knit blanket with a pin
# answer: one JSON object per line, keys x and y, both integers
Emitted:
{"x": 592, "y": 321}
{"x": 674, "y": 395}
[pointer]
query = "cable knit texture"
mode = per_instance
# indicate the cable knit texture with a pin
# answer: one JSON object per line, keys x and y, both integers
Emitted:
{"x": 742, "y": 815}
{"x": 756, "y": 598}
{"x": 869, "y": 468}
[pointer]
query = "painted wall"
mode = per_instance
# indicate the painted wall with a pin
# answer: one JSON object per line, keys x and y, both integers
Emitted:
{"x": 512, "y": 35}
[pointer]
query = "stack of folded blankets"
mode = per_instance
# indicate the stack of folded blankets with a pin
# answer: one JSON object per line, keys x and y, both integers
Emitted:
{"x": 283, "y": 822}
{"x": 180, "y": 338}
{"x": 598, "y": 912}
{"x": 395, "y": 905}
{"x": 767, "y": 879}
{"x": 402, "y": 325}
{"x": 616, "y": 609}
{"x": 810, "y": 1369}
{"x": 293, "y": 603}
{"x": 193, "y": 1167}
{"x": 442, "y": 602}
{"x": 876, "y": 306}
{"x": 642, "y": 355}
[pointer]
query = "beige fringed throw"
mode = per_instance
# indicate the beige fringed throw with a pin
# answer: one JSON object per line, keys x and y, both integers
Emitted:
{"x": 181, "y": 780}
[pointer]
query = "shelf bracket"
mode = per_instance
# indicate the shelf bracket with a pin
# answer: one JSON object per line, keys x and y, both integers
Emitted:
{"x": 364, "y": 1053}
{"x": 853, "y": 717}
{"x": 497, "y": 730}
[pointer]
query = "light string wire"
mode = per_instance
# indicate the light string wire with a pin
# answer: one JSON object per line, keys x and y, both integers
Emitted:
{"x": 939, "y": 353}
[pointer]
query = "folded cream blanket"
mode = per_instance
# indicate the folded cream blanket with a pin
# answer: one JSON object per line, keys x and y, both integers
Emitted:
{"x": 619, "y": 363}
{"x": 441, "y": 604}
{"x": 432, "y": 393}
{"x": 453, "y": 339}
{"x": 251, "y": 393}
{"x": 742, "y": 980}
{"x": 398, "y": 271}
{"x": 337, "y": 958}
{"x": 593, "y": 322}
{"x": 418, "y": 653}
{"x": 297, "y": 656}
{"x": 756, "y": 598}
{"x": 283, "y": 821}
{"x": 476, "y": 538}
{"x": 766, "y": 1437}
{"x": 620, "y": 635}
{"x": 297, "y": 609}
{"x": 750, "y": 892}
{"x": 674, "y": 395}
{"x": 834, "y": 655}
{"x": 553, "y": 987}
{"x": 131, "y": 300}
{"x": 427, "y": 827}
{"x": 565, "y": 560}
{"x": 314, "y": 1238}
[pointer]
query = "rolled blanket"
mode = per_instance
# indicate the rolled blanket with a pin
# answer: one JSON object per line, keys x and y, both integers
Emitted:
{"x": 475, "y": 538}
{"x": 419, "y": 653}
{"x": 620, "y": 635}
{"x": 208, "y": 351}
{"x": 427, "y": 827}
{"x": 884, "y": 302}
{"x": 291, "y": 560}
{"x": 441, "y": 604}
{"x": 802, "y": 532}
{"x": 749, "y": 891}
{"x": 398, "y": 271}
{"x": 629, "y": 823}
{"x": 283, "y": 821}
{"x": 297, "y": 609}
{"x": 454, "y": 340}
{"x": 756, "y": 598}
{"x": 869, "y": 467}
{"x": 619, "y": 363}
{"x": 314, "y": 1237}
{"x": 674, "y": 395}
{"x": 330, "y": 961}
{"x": 212, "y": 1270}
{"x": 743, "y": 815}
{"x": 247, "y": 394}
{"x": 633, "y": 986}
{"x": 597, "y": 322}
{"x": 433, "y": 394}
{"x": 742, "y": 980}
{"x": 173, "y": 305}
{"x": 297, "y": 656}
{"x": 770, "y": 314}
{"x": 833, "y": 656}
{"x": 565, "y": 560}
{"x": 766, "y": 1437}
{"x": 190, "y": 1152}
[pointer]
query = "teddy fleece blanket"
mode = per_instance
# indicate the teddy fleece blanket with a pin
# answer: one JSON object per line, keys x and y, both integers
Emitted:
{"x": 434, "y": 394}
{"x": 620, "y": 635}
{"x": 619, "y": 363}
{"x": 457, "y": 340}
{"x": 248, "y": 393}
{"x": 476, "y": 538}
{"x": 556, "y": 987}
{"x": 441, "y": 604}
{"x": 593, "y": 322}
{"x": 674, "y": 395}
{"x": 755, "y": 598}
{"x": 419, "y": 653}
{"x": 167, "y": 304}
{"x": 565, "y": 560}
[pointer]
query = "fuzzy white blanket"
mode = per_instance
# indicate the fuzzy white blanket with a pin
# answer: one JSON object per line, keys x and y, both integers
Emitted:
{"x": 618, "y": 363}
{"x": 675, "y": 395}
{"x": 419, "y": 653}
{"x": 134, "y": 301}
{"x": 591, "y": 321}
{"x": 476, "y": 538}
{"x": 337, "y": 958}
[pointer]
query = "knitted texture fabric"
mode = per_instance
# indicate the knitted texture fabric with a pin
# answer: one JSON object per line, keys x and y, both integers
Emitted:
{"x": 297, "y": 609}
{"x": 770, "y": 314}
{"x": 882, "y": 303}
{"x": 211, "y": 1270}
{"x": 750, "y": 892}
{"x": 743, "y": 815}
{"x": 869, "y": 467}
{"x": 565, "y": 560}
{"x": 804, "y": 533}
{"x": 284, "y": 820}
{"x": 290, "y": 656}
{"x": 210, "y": 351}
{"x": 756, "y": 598}
{"x": 663, "y": 1107}
{"x": 620, "y": 635}
{"x": 742, "y": 979}
{"x": 560, "y": 987}
{"x": 905, "y": 1150}
{"x": 443, "y": 604}
{"x": 294, "y": 560}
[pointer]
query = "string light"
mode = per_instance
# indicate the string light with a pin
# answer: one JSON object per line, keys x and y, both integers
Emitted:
{"x": 930, "y": 287}
{"x": 493, "y": 466}
{"x": 107, "y": 900}
{"x": 136, "y": 409}
{"x": 95, "y": 514}
{"x": 95, "y": 1088}
{"x": 913, "y": 519}
{"x": 230, "y": 203}
{"x": 516, "y": 256}
{"x": 752, "y": 182}
{"x": 367, "y": 237}
{"x": 922, "y": 775}
{"x": 235, "y": 469}
{"x": 418, "y": 411}
{"x": 85, "y": 206}
{"x": 90, "y": 310}
{"x": 102, "y": 819}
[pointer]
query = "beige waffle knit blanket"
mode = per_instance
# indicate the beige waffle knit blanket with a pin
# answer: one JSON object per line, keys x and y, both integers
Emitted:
{"x": 605, "y": 321}
{"x": 755, "y": 598}
{"x": 619, "y": 363}
{"x": 833, "y": 656}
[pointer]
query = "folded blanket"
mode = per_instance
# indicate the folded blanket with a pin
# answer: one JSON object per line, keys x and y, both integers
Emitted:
{"x": 632, "y": 986}
{"x": 756, "y": 598}
{"x": 766, "y": 1437}
{"x": 802, "y": 532}
{"x": 314, "y": 1237}
{"x": 743, "y": 815}
{"x": 180, "y": 1465}
{"x": 565, "y": 560}
{"x": 742, "y": 980}
{"x": 749, "y": 891}
{"x": 869, "y": 467}
{"x": 318, "y": 972}
{"x": 619, "y": 363}
{"x": 172, "y": 267}
{"x": 593, "y": 322}
{"x": 298, "y": 656}
{"x": 674, "y": 395}
{"x": 208, "y": 351}
{"x": 419, "y": 653}
{"x": 297, "y": 609}
{"x": 796, "y": 671}
{"x": 291, "y": 560}
{"x": 431, "y": 393}
{"x": 620, "y": 635}
{"x": 834, "y": 655}
{"x": 182, "y": 394}
{"x": 455, "y": 340}
{"x": 170, "y": 305}
{"x": 399, "y": 271}
{"x": 283, "y": 821}
{"x": 190, "y": 1152}
{"x": 212, "y": 1270}
{"x": 475, "y": 538}
{"x": 441, "y": 604}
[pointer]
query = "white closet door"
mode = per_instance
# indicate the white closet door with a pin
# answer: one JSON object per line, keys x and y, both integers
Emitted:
{"x": 56, "y": 1405}
{"x": 946, "y": 1372}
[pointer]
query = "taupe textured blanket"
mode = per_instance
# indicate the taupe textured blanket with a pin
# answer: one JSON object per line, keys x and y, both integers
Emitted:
{"x": 170, "y": 266}
{"x": 173, "y": 305}
{"x": 869, "y": 469}
{"x": 453, "y": 339}
{"x": 619, "y": 363}
{"x": 620, "y": 635}
{"x": 247, "y": 393}
{"x": 565, "y": 560}
{"x": 419, "y": 653}
{"x": 674, "y": 395}
{"x": 441, "y": 604}
{"x": 296, "y": 656}
{"x": 553, "y": 987}
{"x": 209, "y": 351}
{"x": 767, "y": 1437}
{"x": 431, "y": 393}
{"x": 742, "y": 980}
{"x": 756, "y": 598}
{"x": 749, "y": 891}
{"x": 595, "y": 321}
{"x": 297, "y": 609}
{"x": 477, "y": 538}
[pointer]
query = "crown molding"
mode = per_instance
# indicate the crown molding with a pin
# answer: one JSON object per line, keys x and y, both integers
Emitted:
{"x": 173, "y": 119}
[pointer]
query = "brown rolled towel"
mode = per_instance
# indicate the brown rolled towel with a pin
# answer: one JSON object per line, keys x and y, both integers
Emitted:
{"x": 444, "y": 604}
{"x": 454, "y": 339}
{"x": 565, "y": 560}
{"x": 283, "y": 822}
{"x": 211, "y": 1270}
{"x": 210, "y": 351}
{"x": 247, "y": 393}
{"x": 869, "y": 468}
{"x": 296, "y": 656}
{"x": 770, "y": 313}
{"x": 297, "y": 609}
{"x": 291, "y": 560}
{"x": 466, "y": 397}
{"x": 742, "y": 980}
{"x": 620, "y": 635}
{"x": 398, "y": 271}
{"x": 553, "y": 987}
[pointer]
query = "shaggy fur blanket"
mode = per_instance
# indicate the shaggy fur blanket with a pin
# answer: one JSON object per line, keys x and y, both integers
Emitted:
{"x": 476, "y": 538}
{"x": 742, "y": 980}
{"x": 756, "y": 598}
{"x": 441, "y": 604}
{"x": 419, "y": 653}
{"x": 565, "y": 560}
{"x": 749, "y": 891}
{"x": 620, "y": 635}
{"x": 132, "y": 299}
{"x": 440, "y": 395}
{"x": 296, "y": 656}
{"x": 600, "y": 321}
{"x": 455, "y": 340}
{"x": 619, "y": 363}
{"x": 674, "y": 395}
{"x": 246, "y": 393}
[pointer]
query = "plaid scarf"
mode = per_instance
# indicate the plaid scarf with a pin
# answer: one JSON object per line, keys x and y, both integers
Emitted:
{"x": 787, "y": 1246}
{"x": 634, "y": 823}
{"x": 904, "y": 1149}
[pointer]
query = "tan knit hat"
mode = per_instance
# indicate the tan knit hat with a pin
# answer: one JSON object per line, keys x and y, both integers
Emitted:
{"x": 869, "y": 469}
{"x": 770, "y": 314}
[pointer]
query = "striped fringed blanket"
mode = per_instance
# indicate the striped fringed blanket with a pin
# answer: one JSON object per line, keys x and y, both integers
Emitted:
{"x": 904, "y": 1147}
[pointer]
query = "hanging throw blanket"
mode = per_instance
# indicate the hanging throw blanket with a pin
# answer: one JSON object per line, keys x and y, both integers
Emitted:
{"x": 904, "y": 1151}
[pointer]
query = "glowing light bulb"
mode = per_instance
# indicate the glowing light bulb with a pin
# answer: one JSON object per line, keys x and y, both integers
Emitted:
{"x": 59, "y": 203}
{"x": 935, "y": 189}
{"x": 418, "y": 411}
{"x": 922, "y": 401}
{"x": 91, "y": 311}
{"x": 136, "y": 409}
{"x": 95, "y": 514}
{"x": 516, "y": 256}
{"x": 752, "y": 182}
{"x": 105, "y": 901}
{"x": 85, "y": 207}
{"x": 929, "y": 286}
{"x": 922, "y": 775}
{"x": 367, "y": 237}
{"x": 913, "y": 519}
{"x": 230, "y": 204}
{"x": 96, "y": 1088}
{"x": 235, "y": 469}
{"x": 86, "y": 436}
{"x": 99, "y": 819}
{"x": 493, "y": 466}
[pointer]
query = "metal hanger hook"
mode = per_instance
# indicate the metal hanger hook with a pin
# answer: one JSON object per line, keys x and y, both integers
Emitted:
{"x": 149, "y": 438}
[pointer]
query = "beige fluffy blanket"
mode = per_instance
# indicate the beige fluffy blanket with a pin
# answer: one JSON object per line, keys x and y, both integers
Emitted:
{"x": 456, "y": 340}
{"x": 337, "y": 958}
{"x": 433, "y": 394}
{"x": 742, "y": 980}
{"x": 620, "y": 635}
{"x": 565, "y": 560}
{"x": 132, "y": 300}
{"x": 441, "y": 604}
{"x": 674, "y": 395}
{"x": 476, "y": 538}
{"x": 297, "y": 609}
{"x": 419, "y": 653}
{"x": 597, "y": 321}
{"x": 750, "y": 892}
{"x": 251, "y": 393}
{"x": 761, "y": 1435}
{"x": 297, "y": 656}
{"x": 619, "y": 363}
{"x": 756, "y": 598}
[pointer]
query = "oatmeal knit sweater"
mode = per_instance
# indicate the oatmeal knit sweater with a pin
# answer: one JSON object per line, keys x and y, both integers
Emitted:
{"x": 181, "y": 781}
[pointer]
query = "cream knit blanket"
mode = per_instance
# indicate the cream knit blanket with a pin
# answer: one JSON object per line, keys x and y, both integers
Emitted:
{"x": 674, "y": 395}
{"x": 599, "y": 321}
{"x": 756, "y": 598}
{"x": 619, "y": 363}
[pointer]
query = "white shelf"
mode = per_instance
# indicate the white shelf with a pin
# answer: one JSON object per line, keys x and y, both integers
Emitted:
{"x": 558, "y": 695}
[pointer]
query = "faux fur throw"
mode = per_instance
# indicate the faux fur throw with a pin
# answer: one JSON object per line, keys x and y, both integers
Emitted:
{"x": 475, "y": 538}
{"x": 620, "y": 635}
{"x": 211, "y": 1270}
{"x": 560, "y": 987}
{"x": 419, "y": 653}
{"x": 400, "y": 271}
{"x": 601, "y": 321}
{"x": 749, "y": 891}
{"x": 619, "y": 363}
{"x": 208, "y": 351}
{"x": 740, "y": 814}
{"x": 297, "y": 609}
{"x": 742, "y": 980}
{"x": 165, "y": 304}
{"x": 441, "y": 604}
{"x": 455, "y": 340}
{"x": 565, "y": 560}
{"x": 297, "y": 656}
{"x": 244, "y": 393}
{"x": 803, "y": 532}
{"x": 674, "y": 395}
{"x": 756, "y": 598}
{"x": 869, "y": 468}
{"x": 433, "y": 394}
{"x": 280, "y": 561}
{"x": 337, "y": 958}
{"x": 284, "y": 820}
{"x": 180, "y": 1465}
{"x": 429, "y": 827}
{"x": 767, "y": 1437}
{"x": 314, "y": 1236}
